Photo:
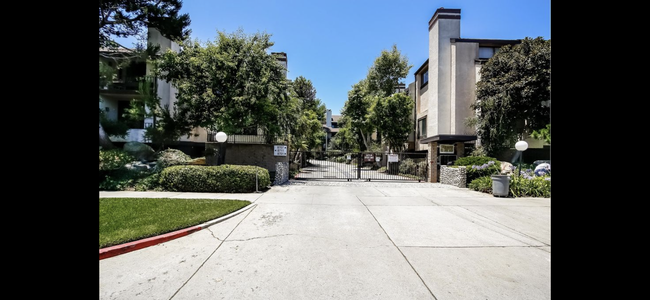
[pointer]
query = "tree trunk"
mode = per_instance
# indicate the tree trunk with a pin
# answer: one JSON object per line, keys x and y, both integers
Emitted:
{"x": 365, "y": 142}
{"x": 104, "y": 141}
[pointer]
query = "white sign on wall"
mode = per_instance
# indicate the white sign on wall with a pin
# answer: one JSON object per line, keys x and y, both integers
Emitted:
{"x": 279, "y": 150}
{"x": 393, "y": 158}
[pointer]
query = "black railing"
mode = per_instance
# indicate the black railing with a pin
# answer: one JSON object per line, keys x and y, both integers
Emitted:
{"x": 247, "y": 139}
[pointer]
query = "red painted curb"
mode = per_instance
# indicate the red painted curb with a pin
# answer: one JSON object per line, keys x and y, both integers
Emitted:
{"x": 143, "y": 243}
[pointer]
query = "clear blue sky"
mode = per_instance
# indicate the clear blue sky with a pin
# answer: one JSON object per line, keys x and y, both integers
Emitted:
{"x": 334, "y": 42}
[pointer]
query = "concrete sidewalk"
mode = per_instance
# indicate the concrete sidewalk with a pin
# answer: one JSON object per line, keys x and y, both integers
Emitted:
{"x": 373, "y": 241}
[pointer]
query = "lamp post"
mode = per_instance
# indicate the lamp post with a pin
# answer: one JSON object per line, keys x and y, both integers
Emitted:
{"x": 220, "y": 137}
{"x": 521, "y": 146}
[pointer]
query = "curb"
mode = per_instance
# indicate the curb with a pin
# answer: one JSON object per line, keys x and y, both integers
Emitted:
{"x": 151, "y": 241}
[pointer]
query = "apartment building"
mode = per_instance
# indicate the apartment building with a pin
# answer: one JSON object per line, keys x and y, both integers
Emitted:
{"x": 444, "y": 87}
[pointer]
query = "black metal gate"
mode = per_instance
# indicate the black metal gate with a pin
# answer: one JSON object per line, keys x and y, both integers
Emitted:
{"x": 410, "y": 166}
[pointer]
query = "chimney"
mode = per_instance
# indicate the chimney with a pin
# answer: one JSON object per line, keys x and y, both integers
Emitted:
{"x": 328, "y": 118}
{"x": 444, "y": 13}
{"x": 281, "y": 57}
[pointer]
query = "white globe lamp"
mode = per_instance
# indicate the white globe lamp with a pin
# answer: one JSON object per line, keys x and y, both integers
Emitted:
{"x": 221, "y": 137}
{"x": 521, "y": 146}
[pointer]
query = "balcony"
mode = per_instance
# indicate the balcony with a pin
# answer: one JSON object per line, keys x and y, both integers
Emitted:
{"x": 127, "y": 85}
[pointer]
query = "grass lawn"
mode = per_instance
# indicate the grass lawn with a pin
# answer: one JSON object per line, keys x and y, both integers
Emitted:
{"x": 124, "y": 220}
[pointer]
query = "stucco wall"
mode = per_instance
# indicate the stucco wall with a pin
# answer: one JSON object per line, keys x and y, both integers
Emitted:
{"x": 464, "y": 86}
{"x": 260, "y": 155}
{"x": 440, "y": 71}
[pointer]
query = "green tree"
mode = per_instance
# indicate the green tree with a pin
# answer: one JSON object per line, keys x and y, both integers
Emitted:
{"x": 374, "y": 93}
{"x": 168, "y": 123}
{"x": 357, "y": 111}
{"x": 232, "y": 84}
{"x": 121, "y": 18}
{"x": 306, "y": 93}
{"x": 392, "y": 116}
{"x": 388, "y": 68}
{"x": 512, "y": 95}
{"x": 307, "y": 132}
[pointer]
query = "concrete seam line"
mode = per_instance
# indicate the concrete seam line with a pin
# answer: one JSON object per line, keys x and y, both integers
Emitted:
{"x": 158, "y": 239}
{"x": 213, "y": 252}
{"x": 398, "y": 249}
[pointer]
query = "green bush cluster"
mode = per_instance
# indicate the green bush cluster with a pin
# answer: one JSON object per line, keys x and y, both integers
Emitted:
{"x": 483, "y": 166}
{"x": 481, "y": 184}
{"x": 531, "y": 187}
{"x": 519, "y": 186}
{"x": 113, "y": 159}
{"x": 114, "y": 176}
{"x": 171, "y": 157}
{"x": 410, "y": 167}
{"x": 216, "y": 179}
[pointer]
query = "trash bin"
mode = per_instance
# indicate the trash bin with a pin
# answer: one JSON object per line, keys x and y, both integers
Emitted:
{"x": 500, "y": 185}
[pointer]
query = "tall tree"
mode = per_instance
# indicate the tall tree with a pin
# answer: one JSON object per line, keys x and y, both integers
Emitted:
{"x": 306, "y": 92}
{"x": 374, "y": 92}
{"x": 357, "y": 111}
{"x": 513, "y": 95}
{"x": 387, "y": 70}
{"x": 392, "y": 116}
{"x": 125, "y": 18}
{"x": 306, "y": 131}
{"x": 232, "y": 84}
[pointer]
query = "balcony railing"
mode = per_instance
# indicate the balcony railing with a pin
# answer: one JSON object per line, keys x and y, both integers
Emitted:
{"x": 246, "y": 139}
{"x": 129, "y": 84}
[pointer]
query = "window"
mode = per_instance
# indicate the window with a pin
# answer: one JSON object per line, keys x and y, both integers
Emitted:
{"x": 425, "y": 78}
{"x": 422, "y": 127}
{"x": 448, "y": 149}
{"x": 486, "y": 52}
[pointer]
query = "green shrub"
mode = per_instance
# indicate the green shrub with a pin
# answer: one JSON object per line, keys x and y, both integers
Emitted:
{"x": 147, "y": 183}
{"x": 171, "y": 157}
{"x": 113, "y": 176}
{"x": 482, "y": 168}
{"x": 531, "y": 187}
{"x": 407, "y": 166}
{"x": 470, "y": 161}
{"x": 481, "y": 184}
{"x": 216, "y": 179}
{"x": 113, "y": 159}
{"x": 410, "y": 167}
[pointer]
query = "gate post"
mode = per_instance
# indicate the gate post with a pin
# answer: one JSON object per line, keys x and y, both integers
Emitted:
{"x": 359, "y": 164}
{"x": 433, "y": 162}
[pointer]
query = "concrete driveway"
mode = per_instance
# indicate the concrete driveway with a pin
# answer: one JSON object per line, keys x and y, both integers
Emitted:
{"x": 374, "y": 240}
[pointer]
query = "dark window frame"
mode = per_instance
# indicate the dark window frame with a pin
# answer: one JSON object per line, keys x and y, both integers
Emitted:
{"x": 420, "y": 134}
{"x": 424, "y": 83}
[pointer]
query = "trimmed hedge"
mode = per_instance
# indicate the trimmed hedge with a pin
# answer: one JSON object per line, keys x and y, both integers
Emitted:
{"x": 214, "y": 179}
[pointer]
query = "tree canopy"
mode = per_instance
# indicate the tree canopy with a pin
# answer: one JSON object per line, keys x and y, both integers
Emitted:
{"x": 232, "y": 84}
{"x": 513, "y": 94}
{"x": 371, "y": 106}
{"x": 124, "y": 18}
{"x": 306, "y": 131}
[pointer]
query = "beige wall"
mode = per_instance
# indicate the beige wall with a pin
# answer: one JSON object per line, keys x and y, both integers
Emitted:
{"x": 440, "y": 72}
{"x": 463, "y": 86}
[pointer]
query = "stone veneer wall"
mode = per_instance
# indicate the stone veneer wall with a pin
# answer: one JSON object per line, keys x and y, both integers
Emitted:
{"x": 454, "y": 176}
{"x": 281, "y": 173}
